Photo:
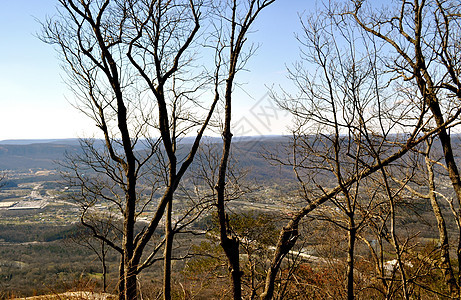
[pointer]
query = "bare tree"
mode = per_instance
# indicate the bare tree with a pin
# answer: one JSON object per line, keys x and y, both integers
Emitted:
{"x": 423, "y": 62}
{"x": 242, "y": 16}
{"x": 128, "y": 62}
{"x": 430, "y": 184}
{"x": 422, "y": 39}
{"x": 98, "y": 246}
{"x": 348, "y": 112}
{"x": 203, "y": 180}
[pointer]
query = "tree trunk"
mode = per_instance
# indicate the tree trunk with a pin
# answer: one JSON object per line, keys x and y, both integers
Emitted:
{"x": 231, "y": 248}
{"x": 104, "y": 267}
{"x": 286, "y": 241}
{"x": 350, "y": 259}
{"x": 445, "y": 263}
{"x": 453, "y": 172}
{"x": 121, "y": 282}
{"x": 229, "y": 244}
{"x": 169, "y": 234}
{"x": 131, "y": 280}
{"x": 458, "y": 252}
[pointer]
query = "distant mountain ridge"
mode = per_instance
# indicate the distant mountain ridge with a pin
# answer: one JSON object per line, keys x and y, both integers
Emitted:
{"x": 71, "y": 141}
{"x": 248, "y": 152}
{"x": 33, "y": 156}
{"x": 185, "y": 140}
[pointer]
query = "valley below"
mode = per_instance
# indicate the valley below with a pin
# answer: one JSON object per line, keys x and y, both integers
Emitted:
{"x": 44, "y": 249}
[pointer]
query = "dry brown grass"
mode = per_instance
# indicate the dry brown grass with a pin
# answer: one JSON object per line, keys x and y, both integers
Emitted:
{"x": 73, "y": 296}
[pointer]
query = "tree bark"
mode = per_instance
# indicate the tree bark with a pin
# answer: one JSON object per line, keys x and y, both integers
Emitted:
{"x": 104, "y": 267}
{"x": 230, "y": 245}
{"x": 350, "y": 258}
{"x": 131, "y": 283}
{"x": 169, "y": 235}
{"x": 121, "y": 280}
{"x": 445, "y": 263}
{"x": 286, "y": 241}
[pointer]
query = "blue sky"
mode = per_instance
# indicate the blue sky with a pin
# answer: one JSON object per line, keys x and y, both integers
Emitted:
{"x": 35, "y": 103}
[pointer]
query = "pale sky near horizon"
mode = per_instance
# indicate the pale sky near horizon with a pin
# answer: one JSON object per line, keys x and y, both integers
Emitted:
{"x": 35, "y": 103}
